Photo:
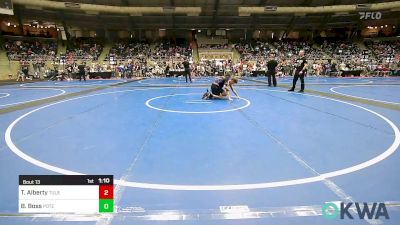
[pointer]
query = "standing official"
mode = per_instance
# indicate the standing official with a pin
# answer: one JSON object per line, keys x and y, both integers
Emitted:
{"x": 271, "y": 69}
{"x": 300, "y": 72}
{"x": 186, "y": 66}
{"x": 81, "y": 72}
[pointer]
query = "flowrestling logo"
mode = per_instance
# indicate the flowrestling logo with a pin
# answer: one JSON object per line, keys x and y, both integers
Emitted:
{"x": 370, "y": 15}
{"x": 331, "y": 210}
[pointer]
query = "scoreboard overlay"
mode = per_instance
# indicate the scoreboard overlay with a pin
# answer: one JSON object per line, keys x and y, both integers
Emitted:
{"x": 82, "y": 194}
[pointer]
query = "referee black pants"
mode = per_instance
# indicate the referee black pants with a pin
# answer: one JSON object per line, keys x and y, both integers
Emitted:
{"x": 298, "y": 75}
{"x": 271, "y": 74}
{"x": 187, "y": 74}
{"x": 82, "y": 75}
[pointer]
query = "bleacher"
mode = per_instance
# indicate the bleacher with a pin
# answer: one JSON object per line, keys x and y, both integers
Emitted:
{"x": 20, "y": 48}
{"x": 154, "y": 58}
{"x": 84, "y": 49}
{"x": 214, "y": 48}
{"x": 123, "y": 50}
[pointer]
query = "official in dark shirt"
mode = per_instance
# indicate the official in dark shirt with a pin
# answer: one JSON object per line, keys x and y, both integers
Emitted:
{"x": 81, "y": 72}
{"x": 300, "y": 72}
{"x": 167, "y": 71}
{"x": 186, "y": 66}
{"x": 271, "y": 69}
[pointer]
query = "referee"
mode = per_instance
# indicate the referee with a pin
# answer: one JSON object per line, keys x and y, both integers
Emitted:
{"x": 271, "y": 66}
{"x": 186, "y": 66}
{"x": 300, "y": 72}
{"x": 82, "y": 71}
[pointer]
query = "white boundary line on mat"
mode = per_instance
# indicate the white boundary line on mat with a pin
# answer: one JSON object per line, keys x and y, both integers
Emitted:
{"x": 5, "y": 95}
{"x": 193, "y": 112}
{"x": 16, "y": 103}
{"x": 332, "y": 89}
{"x": 389, "y": 151}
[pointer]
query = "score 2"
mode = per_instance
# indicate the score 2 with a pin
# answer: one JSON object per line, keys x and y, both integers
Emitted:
{"x": 106, "y": 192}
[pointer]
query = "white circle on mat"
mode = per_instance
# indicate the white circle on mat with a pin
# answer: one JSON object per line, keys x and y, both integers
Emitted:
{"x": 32, "y": 100}
{"x": 333, "y": 89}
{"x": 148, "y": 104}
{"x": 4, "y": 95}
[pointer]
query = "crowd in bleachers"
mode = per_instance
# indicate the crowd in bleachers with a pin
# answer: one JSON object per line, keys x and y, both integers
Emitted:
{"x": 167, "y": 56}
{"x": 139, "y": 59}
{"x": 343, "y": 57}
{"x": 124, "y": 50}
{"x": 214, "y": 46}
{"x": 385, "y": 50}
{"x": 386, "y": 54}
{"x": 378, "y": 57}
{"x": 166, "y": 51}
{"x": 343, "y": 51}
{"x": 84, "y": 49}
{"x": 289, "y": 48}
{"x": 142, "y": 59}
{"x": 331, "y": 58}
{"x": 30, "y": 49}
{"x": 253, "y": 51}
{"x": 254, "y": 55}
